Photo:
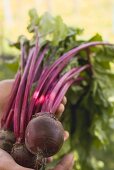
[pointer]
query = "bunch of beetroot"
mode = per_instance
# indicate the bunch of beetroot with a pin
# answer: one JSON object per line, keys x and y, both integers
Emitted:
{"x": 30, "y": 131}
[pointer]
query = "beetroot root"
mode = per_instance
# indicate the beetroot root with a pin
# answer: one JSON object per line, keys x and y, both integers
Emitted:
{"x": 44, "y": 136}
{"x": 25, "y": 158}
{"x": 7, "y": 140}
{"x": 22, "y": 156}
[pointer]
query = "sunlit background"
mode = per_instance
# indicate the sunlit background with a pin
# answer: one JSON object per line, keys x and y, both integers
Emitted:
{"x": 93, "y": 15}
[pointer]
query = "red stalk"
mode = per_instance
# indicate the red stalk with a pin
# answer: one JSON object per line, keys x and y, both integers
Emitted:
{"x": 23, "y": 58}
{"x": 57, "y": 87}
{"x": 20, "y": 93}
{"x": 33, "y": 69}
{"x": 39, "y": 103}
{"x": 36, "y": 93}
{"x": 62, "y": 92}
{"x": 61, "y": 62}
{"x": 60, "y": 96}
{"x": 10, "y": 117}
{"x": 74, "y": 73}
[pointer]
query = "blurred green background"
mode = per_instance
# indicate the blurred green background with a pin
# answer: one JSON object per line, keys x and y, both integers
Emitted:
{"x": 93, "y": 16}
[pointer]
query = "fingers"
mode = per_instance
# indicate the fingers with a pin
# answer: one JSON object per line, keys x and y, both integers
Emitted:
{"x": 6, "y": 161}
{"x": 66, "y": 163}
{"x": 5, "y": 89}
{"x": 61, "y": 108}
{"x": 64, "y": 101}
{"x": 66, "y": 135}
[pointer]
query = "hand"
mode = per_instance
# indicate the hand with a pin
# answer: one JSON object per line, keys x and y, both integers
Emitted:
{"x": 6, "y": 161}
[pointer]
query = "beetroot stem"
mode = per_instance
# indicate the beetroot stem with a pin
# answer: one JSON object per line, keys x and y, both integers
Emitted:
{"x": 36, "y": 93}
{"x": 59, "y": 98}
{"x": 9, "y": 119}
{"x": 44, "y": 102}
{"x": 49, "y": 71}
{"x": 23, "y": 60}
{"x": 62, "y": 92}
{"x": 30, "y": 79}
{"x": 19, "y": 97}
{"x": 34, "y": 66}
{"x": 61, "y": 62}
{"x": 74, "y": 73}
{"x": 38, "y": 69}
{"x": 57, "y": 86}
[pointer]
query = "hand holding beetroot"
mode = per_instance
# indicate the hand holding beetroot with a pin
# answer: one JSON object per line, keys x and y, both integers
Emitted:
{"x": 7, "y": 162}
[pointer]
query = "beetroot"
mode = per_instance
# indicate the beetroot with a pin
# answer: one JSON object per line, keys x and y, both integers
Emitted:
{"x": 44, "y": 135}
{"x": 7, "y": 140}
{"x": 22, "y": 156}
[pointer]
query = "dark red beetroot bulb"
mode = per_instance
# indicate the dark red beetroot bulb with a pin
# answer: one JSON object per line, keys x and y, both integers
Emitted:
{"x": 7, "y": 140}
{"x": 44, "y": 136}
{"x": 22, "y": 156}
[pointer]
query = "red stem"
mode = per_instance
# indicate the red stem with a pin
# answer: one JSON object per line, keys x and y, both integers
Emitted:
{"x": 57, "y": 87}
{"x": 30, "y": 79}
{"x": 9, "y": 119}
{"x": 74, "y": 73}
{"x": 23, "y": 60}
{"x": 61, "y": 62}
{"x": 60, "y": 96}
{"x": 62, "y": 92}
{"x": 19, "y": 97}
{"x": 43, "y": 103}
{"x": 36, "y": 93}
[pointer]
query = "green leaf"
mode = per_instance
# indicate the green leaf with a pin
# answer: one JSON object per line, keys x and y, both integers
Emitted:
{"x": 34, "y": 20}
{"x": 99, "y": 132}
{"x": 96, "y": 37}
{"x": 21, "y": 39}
{"x": 46, "y": 24}
{"x": 61, "y": 31}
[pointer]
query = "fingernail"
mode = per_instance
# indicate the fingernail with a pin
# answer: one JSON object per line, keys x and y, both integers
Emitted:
{"x": 66, "y": 135}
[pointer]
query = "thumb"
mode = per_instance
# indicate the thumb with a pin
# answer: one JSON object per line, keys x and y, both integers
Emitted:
{"x": 8, "y": 163}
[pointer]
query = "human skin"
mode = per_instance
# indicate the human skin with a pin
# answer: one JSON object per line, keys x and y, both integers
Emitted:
{"x": 6, "y": 161}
